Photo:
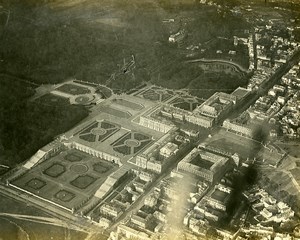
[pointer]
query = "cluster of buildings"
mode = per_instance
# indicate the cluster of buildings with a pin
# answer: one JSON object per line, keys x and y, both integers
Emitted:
{"x": 209, "y": 113}
{"x": 111, "y": 210}
{"x": 279, "y": 107}
{"x": 288, "y": 117}
{"x": 264, "y": 108}
{"x": 211, "y": 208}
{"x": 250, "y": 44}
{"x": 274, "y": 45}
{"x": 242, "y": 125}
{"x": 259, "y": 78}
{"x": 156, "y": 157}
{"x": 261, "y": 232}
{"x": 267, "y": 209}
{"x": 153, "y": 121}
{"x": 191, "y": 196}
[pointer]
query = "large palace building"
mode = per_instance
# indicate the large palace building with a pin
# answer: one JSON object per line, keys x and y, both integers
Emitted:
{"x": 204, "y": 164}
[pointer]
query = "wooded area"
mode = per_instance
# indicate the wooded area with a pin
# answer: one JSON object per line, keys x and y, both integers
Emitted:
{"x": 27, "y": 126}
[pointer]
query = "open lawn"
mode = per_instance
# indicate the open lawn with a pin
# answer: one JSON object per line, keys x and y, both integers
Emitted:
{"x": 52, "y": 100}
{"x": 116, "y": 112}
{"x": 219, "y": 195}
{"x": 128, "y": 104}
{"x": 9, "y": 229}
{"x": 292, "y": 148}
{"x": 232, "y": 143}
{"x": 73, "y": 89}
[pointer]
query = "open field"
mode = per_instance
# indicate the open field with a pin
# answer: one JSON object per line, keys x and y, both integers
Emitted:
{"x": 219, "y": 195}
{"x": 232, "y": 143}
{"x": 51, "y": 99}
{"x": 128, "y": 104}
{"x": 35, "y": 230}
{"x": 73, "y": 89}
{"x": 292, "y": 148}
{"x": 116, "y": 112}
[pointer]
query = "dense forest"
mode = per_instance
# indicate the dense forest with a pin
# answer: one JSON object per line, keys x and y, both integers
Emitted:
{"x": 51, "y": 41}
{"x": 27, "y": 126}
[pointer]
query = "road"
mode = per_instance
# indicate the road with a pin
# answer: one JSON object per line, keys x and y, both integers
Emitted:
{"x": 204, "y": 60}
{"x": 263, "y": 90}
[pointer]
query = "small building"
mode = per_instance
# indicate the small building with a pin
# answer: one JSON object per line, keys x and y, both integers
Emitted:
{"x": 177, "y": 37}
{"x": 151, "y": 200}
{"x": 265, "y": 213}
{"x": 169, "y": 149}
{"x": 104, "y": 222}
{"x": 141, "y": 221}
{"x": 110, "y": 210}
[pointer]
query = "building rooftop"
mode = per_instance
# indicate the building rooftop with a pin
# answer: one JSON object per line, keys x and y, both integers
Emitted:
{"x": 240, "y": 93}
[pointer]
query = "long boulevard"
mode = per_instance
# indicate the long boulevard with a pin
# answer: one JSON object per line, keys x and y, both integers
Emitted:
{"x": 275, "y": 78}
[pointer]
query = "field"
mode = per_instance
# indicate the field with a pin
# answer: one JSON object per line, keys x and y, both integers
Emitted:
{"x": 51, "y": 99}
{"x": 202, "y": 163}
{"x": 11, "y": 225}
{"x": 292, "y": 148}
{"x": 116, "y": 112}
{"x": 128, "y": 104}
{"x": 219, "y": 195}
{"x": 232, "y": 143}
{"x": 73, "y": 89}
{"x": 68, "y": 178}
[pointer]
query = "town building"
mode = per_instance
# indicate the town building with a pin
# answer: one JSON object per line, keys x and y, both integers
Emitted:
{"x": 169, "y": 149}
{"x": 110, "y": 210}
{"x": 177, "y": 37}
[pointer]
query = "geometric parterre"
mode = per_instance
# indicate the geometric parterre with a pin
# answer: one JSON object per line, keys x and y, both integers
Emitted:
{"x": 98, "y": 131}
{"x": 131, "y": 143}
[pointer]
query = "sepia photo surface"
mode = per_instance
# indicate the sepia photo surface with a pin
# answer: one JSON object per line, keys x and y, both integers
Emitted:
{"x": 149, "y": 119}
